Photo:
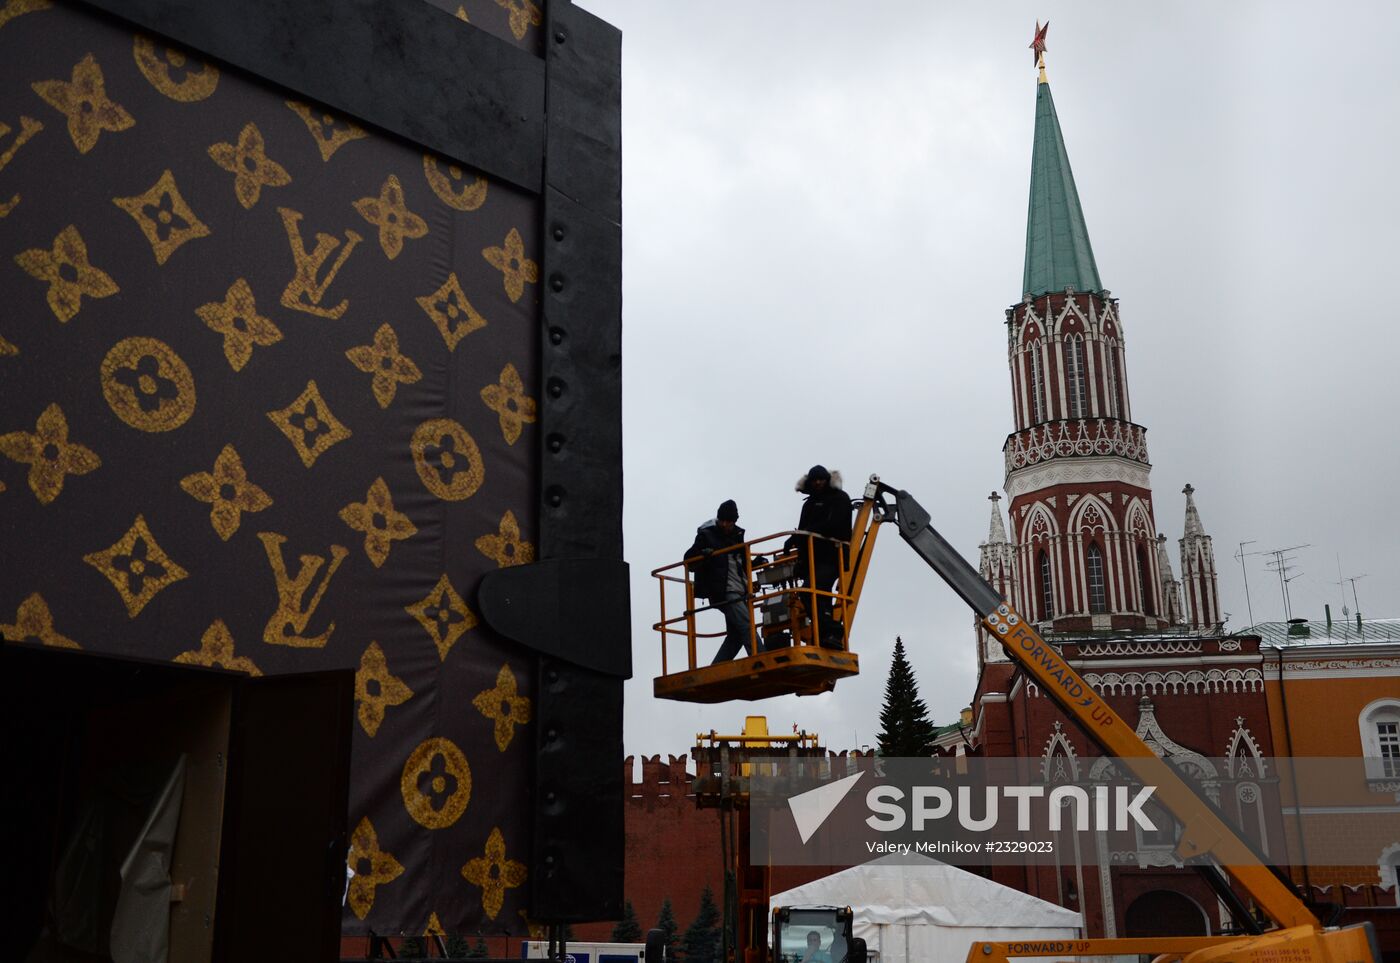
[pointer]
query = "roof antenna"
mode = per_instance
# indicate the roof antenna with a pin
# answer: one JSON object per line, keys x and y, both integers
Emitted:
{"x": 1284, "y": 567}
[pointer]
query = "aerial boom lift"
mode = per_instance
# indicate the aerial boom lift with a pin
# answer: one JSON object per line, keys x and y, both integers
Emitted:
{"x": 1206, "y": 842}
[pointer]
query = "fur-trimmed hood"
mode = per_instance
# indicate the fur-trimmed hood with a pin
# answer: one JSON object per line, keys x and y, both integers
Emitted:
{"x": 801, "y": 486}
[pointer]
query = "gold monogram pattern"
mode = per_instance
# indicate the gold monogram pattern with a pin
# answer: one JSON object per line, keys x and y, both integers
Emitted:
{"x": 28, "y": 127}
{"x": 228, "y": 489}
{"x": 163, "y": 217}
{"x": 523, "y": 16}
{"x": 516, "y": 269}
{"x": 136, "y": 567}
{"x": 506, "y": 548}
{"x": 34, "y": 623}
{"x": 238, "y": 320}
{"x": 372, "y": 868}
{"x": 383, "y": 360}
{"x": 391, "y": 215}
{"x": 330, "y": 132}
{"x": 84, "y": 101}
{"x": 451, "y": 186}
{"x": 449, "y": 309}
{"x": 494, "y": 873}
{"x": 147, "y": 385}
{"x": 294, "y": 611}
{"x": 69, "y": 274}
{"x": 216, "y": 652}
{"x": 250, "y": 166}
{"x": 51, "y": 457}
{"x": 261, "y": 370}
{"x": 505, "y": 706}
{"x": 509, "y": 400}
{"x": 444, "y": 615}
{"x": 309, "y": 425}
{"x": 171, "y": 72}
{"x": 448, "y": 460}
{"x": 18, "y": 8}
{"x": 436, "y": 783}
{"x": 382, "y": 525}
{"x": 304, "y": 292}
{"x": 376, "y": 689}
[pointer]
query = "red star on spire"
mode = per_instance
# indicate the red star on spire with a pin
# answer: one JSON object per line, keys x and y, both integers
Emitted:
{"x": 1038, "y": 44}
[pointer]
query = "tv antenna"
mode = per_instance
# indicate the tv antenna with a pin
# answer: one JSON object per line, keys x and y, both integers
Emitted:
{"x": 1341, "y": 582}
{"x": 1283, "y": 566}
{"x": 1240, "y": 556}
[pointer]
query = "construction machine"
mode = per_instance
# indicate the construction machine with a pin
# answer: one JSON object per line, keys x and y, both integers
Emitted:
{"x": 1207, "y": 842}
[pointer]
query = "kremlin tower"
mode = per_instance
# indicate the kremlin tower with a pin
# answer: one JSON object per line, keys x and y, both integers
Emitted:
{"x": 1081, "y": 555}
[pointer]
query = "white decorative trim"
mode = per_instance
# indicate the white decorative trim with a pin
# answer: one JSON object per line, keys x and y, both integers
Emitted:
{"x": 1155, "y": 647}
{"x": 1241, "y": 745}
{"x": 1229, "y": 645}
{"x": 1080, "y": 471}
{"x": 1058, "y": 740}
{"x": 1194, "y": 682}
{"x": 1386, "y": 864}
{"x": 1333, "y": 665}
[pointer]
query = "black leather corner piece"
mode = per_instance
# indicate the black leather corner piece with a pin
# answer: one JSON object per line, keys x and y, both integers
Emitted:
{"x": 573, "y": 609}
{"x": 403, "y": 66}
{"x": 579, "y": 835}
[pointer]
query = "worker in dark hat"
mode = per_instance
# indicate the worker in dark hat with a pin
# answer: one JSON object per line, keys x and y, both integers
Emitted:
{"x": 721, "y": 578}
{"x": 826, "y": 512}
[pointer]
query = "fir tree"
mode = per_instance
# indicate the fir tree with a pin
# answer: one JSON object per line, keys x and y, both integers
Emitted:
{"x": 667, "y": 924}
{"x": 905, "y": 729}
{"x": 627, "y": 930}
{"x": 701, "y": 941}
{"x": 412, "y": 948}
{"x": 480, "y": 951}
{"x": 458, "y": 948}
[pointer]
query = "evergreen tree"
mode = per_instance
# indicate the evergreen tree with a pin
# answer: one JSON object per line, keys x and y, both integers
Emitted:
{"x": 412, "y": 948}
{"x": 627, "y": 930}
{"x": 480, "y": 951}
{"x": 667, "y": 924}
{"x": 905, "y": 728}
{"x": 702, "y": 943}
{"x": 458, "y": 948}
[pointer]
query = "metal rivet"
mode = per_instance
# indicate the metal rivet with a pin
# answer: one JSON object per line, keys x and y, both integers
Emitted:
{"x": 556, "y": 387}
{"x": 1001, "y": 629}
{"x": 556, "y": 335}
{"x": 552, "y": 734}
{"x": 560, "y": 36}
{"x": 555, "y": 496}
{"x": 557, "y": 282}
{"x": 553, "y": 676}
{"x": 559, "y": 232}
{"x": 549, "y": 860}
{"x": 555, "y": 443}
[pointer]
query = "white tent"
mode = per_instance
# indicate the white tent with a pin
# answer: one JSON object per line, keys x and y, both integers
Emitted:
{"x": 912, "y": 909}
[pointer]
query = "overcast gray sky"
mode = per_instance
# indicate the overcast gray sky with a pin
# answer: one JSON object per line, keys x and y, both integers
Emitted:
{"x": 824, "y": 221}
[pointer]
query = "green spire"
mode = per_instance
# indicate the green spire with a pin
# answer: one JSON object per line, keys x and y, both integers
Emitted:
{"x": 1057, "y": 241}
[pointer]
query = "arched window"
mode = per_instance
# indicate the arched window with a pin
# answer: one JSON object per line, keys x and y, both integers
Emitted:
{"x": 1047, "y": 588}
{"x": 1037, "y": 384}
{"x": 1147, "y": 607}
{"x": 1097, "y": 603}
{"x": 1380, "y": 739}
{"x": 1074, "y": 375}
{"x": 1117, "y": 407}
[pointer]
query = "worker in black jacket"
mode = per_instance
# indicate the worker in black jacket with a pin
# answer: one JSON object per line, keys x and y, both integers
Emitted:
{"x": 826, "y": 512}
{"x": 720, "y": 576}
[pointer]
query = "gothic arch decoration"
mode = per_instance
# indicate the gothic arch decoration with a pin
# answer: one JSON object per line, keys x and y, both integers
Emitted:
{"x": 1189, "y": 762}
{"x": 1040, "y": 525}
{"x": 1091, "y": 514}
{"x": 1243, "y": 758}
{"x": 1059, "y": 761}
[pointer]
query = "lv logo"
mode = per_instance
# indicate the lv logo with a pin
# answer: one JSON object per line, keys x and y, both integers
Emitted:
{"x": 28, "y": 127}
{"x": 288, "y": 623}
{"x": 304, "y": 292}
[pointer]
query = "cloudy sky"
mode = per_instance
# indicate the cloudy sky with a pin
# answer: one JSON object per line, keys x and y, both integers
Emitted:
{"x": 824, "y": 221}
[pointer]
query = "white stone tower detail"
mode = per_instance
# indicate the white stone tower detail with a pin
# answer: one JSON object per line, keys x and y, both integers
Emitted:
{"x": 1171, "y": 588}
{"x": 1198, "y": 577}
{"x": 998, "y": 567}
